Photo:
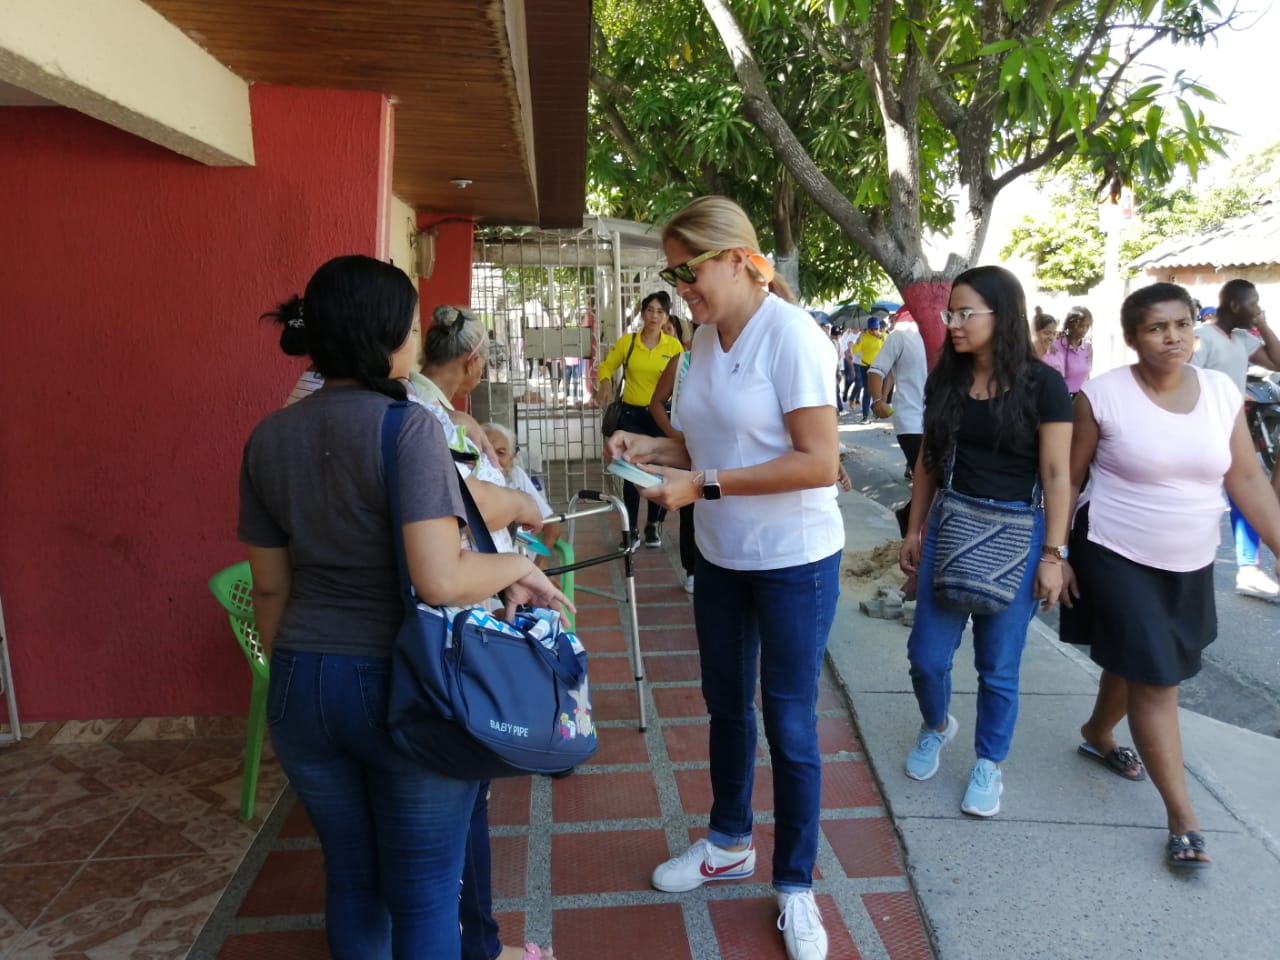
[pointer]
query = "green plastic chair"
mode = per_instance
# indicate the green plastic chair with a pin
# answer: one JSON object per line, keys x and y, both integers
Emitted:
{"x": 234, "y": 589}
{"x": 564, "y": 552}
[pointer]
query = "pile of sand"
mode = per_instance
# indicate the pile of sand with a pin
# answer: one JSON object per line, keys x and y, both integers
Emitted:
{"x": 864, "y": 572}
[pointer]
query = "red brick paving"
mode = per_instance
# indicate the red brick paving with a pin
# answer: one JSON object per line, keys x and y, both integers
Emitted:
{"x": 586, "y": 879}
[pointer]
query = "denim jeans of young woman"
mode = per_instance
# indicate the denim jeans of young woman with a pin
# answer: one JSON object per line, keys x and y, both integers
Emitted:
{"x": 393, "y": 833}
{"x": 998, "y": 641}
{"x": 639, "y": 420}
{"x": 778, "y": 619}
{"x": 480, "y": 939}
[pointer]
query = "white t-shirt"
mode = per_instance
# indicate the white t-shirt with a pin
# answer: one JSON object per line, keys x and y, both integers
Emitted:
{"x": 517, "y": 479}
{"x": 1226, "y": 354}
{"x": 846, "y": 338}
{"x": 903, "y": 355}
{"x": 731, "y": 408}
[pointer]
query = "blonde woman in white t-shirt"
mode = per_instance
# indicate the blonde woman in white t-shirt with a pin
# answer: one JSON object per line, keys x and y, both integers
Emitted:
{"x": 760, "y": 457}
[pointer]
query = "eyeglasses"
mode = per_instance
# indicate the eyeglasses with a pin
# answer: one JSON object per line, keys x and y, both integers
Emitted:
{"x": 960, "y": 317}
{"x": 684, "y": 271}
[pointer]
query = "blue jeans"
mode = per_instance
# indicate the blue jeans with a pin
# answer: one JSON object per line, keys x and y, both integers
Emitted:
{"x": 998, "y": 640}
{"x": 393, "y": 833}
{"x": 480, "y": 940}
{"x": 639, "y": 420}
{"x": 780, "y": 618}
{"x": 1245, "y": 536}
{"x": 859, "y": 383}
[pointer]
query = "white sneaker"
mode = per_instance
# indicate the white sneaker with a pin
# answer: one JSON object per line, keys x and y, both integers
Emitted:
{"x": 801, "y": 926}
{"x": 702, "y": 862}
{"x": 688, "y": 584}
{"x": 1255, "y": 583}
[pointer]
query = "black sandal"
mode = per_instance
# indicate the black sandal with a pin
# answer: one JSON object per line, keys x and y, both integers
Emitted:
{"x": 1181, "y": 844}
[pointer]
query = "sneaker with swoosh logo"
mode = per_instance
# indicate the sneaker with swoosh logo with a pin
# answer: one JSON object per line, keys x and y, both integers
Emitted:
{"x": 701, "y": 863}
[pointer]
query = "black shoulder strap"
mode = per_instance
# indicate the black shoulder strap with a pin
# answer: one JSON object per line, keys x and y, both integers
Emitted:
{"x": 634, "y": 338}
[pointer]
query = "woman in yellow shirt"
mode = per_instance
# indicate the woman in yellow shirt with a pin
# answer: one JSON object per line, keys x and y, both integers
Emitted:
{"x": 642, "y": 357}
{"x": 865, "y": 352}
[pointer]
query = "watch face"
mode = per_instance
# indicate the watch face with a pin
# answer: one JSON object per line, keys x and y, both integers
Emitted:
{"x": 711, "y": 491}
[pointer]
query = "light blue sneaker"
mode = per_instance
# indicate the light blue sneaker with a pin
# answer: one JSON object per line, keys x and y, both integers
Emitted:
{"x": 922, "y": 762}
{"x": 982, "y": 799}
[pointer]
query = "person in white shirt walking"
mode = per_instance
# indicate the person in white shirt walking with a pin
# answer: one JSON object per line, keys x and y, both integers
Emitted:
{"x": 903, "y": 358}
{"x": 1229, "y": 342}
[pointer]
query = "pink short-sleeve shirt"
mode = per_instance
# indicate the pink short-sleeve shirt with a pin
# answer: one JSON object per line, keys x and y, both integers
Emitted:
{"x": 1155, "y": 488}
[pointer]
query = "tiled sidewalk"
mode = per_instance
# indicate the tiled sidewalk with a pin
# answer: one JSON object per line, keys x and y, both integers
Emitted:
{"x": 118, "y": 837}
{"x": 572, "y": 857}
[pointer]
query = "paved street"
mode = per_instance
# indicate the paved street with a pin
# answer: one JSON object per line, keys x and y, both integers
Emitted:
{"x": 1240, "y": 681}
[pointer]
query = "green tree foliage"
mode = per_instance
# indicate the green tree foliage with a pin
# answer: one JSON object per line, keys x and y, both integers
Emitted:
{"x": 891, "y": 118}
{"x": 1066, "y": 242}
{"x": 667, "y": 125}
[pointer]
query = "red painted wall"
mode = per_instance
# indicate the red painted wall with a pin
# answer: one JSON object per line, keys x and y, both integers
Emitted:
{"x": 450, "y": 280}
{"x": 131, "y": 280}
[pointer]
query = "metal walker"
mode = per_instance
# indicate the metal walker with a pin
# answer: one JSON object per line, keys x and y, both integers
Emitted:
{"x": 603, "y": 503}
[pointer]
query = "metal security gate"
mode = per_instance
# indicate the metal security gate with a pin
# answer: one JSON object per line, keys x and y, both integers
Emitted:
{"x": 555, "y": 302}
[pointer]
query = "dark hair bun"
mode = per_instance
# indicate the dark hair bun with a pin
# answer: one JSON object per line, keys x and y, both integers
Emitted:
{"x": 293, "y": 335}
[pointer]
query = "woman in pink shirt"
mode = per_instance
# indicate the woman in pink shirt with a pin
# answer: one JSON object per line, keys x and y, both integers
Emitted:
{"x": 1160, "y": 439}
{"x": 1070, "y": 353}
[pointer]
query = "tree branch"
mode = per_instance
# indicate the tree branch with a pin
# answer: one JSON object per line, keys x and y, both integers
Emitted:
{"x": 1107, "y": 108}
{"x": 763, "y": 113}
{"x": 948, "y": 112}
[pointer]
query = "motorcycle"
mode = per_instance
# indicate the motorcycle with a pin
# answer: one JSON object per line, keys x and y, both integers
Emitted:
{"x": 1262, "y": 414}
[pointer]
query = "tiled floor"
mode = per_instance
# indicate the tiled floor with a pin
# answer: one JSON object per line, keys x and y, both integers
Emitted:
{"x": 572, "y": 857}
{"x": 119, "y": 837}
{"x": 120, "y": 841}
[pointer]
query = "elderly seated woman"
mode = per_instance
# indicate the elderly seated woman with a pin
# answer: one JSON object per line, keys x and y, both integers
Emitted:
{"x": 507, "y": 450}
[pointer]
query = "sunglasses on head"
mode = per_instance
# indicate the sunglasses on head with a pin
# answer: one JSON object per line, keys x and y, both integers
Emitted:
{"x": 684, "y": 271}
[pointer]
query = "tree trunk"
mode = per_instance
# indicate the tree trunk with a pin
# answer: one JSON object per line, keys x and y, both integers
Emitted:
{"x": 786, "y": 244}
{"x": 926, "y": 300}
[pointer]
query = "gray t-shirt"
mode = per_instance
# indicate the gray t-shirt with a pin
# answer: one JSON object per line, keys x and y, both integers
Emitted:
{"x": 1227, "y": 353}
{"x": 312, "y": 481}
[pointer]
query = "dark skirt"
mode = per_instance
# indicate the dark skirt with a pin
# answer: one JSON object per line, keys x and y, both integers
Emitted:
{"x": 1140, "y": 623}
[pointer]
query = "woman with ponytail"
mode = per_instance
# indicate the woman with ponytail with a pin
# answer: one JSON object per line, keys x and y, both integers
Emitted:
{"x": 313, "y": 513}
{"x": 759, "y": 456}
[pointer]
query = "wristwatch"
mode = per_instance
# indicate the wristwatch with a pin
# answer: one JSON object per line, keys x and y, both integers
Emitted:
{"x": 1054, "y": 551}
{"x": 710, "y": 485}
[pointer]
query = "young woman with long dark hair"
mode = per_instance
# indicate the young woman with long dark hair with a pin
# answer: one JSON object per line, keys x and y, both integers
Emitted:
{"x": 997, "y": 427}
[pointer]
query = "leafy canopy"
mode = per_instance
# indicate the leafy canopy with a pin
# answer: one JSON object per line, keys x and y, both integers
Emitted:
{"x": 853, "y": 128}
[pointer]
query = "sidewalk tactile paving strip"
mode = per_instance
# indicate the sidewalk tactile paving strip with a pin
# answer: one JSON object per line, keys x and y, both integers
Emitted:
{"x": 897, "y": 919}
{"x": 573, "y": 856}
{"x": 865, "y": 847}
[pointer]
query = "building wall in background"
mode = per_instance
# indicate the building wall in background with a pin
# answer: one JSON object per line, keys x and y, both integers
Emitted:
{"x": 135, "y": 367}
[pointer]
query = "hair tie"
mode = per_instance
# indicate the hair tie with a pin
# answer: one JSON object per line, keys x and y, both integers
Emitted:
{"x": 761, "y": 264}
